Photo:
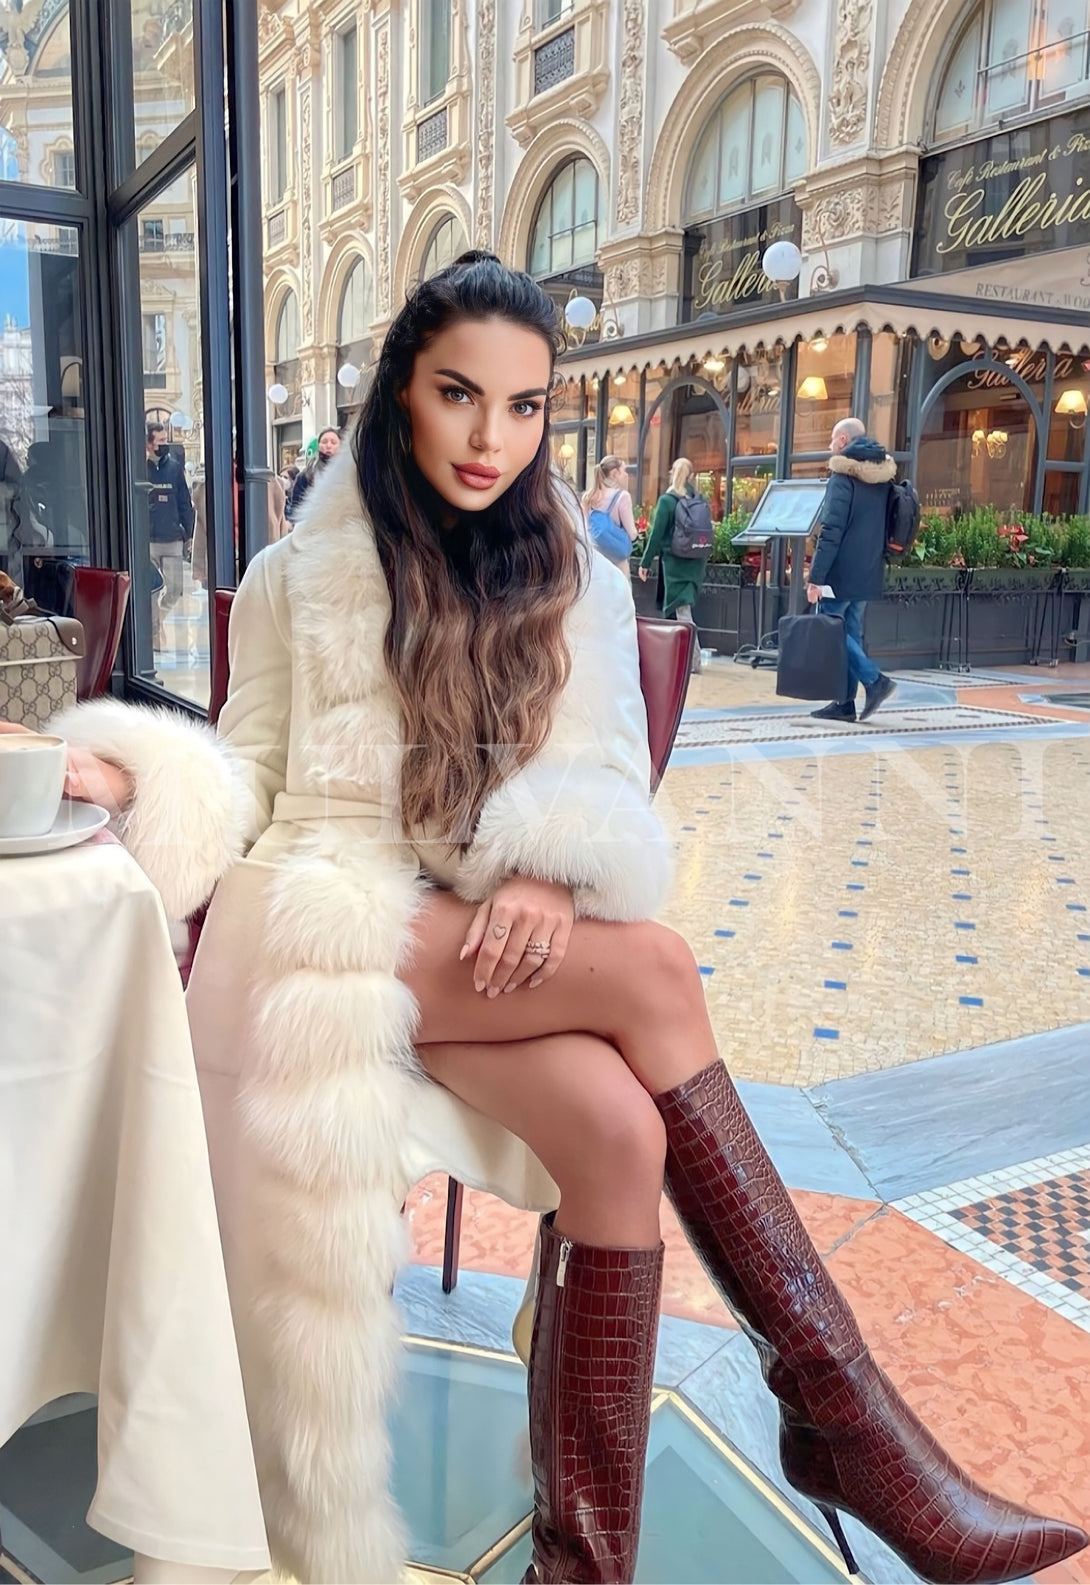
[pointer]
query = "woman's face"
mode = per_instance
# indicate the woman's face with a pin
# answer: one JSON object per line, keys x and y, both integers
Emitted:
{"x": 476, "y": 405}
{"x": 330, "y": 444}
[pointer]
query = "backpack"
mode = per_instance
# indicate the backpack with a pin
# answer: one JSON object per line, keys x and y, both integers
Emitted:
{"x": 607, "y": 534}
{"x": 693, "y": 534}
{"x": 902, "y": 519}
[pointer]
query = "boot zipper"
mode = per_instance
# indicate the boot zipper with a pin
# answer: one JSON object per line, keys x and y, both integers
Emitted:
{"x": 562, "y": 1267}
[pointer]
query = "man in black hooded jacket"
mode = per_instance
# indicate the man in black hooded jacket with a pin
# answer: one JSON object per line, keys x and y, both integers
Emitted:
{"x": 850, "y": 556}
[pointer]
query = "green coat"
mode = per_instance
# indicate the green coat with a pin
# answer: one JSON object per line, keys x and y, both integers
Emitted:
{"x": 683, "y": 575}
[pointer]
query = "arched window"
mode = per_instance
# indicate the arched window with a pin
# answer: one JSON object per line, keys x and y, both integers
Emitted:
{"x": 1011, "y": 58}
{"x": 353, "y": 337}
{"x": 446, "y": 242}
{"x": 753, "y": 148}
{"x": 288, "y": 334}
{"x": 354, "y": 318}
{"x": 565, "y": 233}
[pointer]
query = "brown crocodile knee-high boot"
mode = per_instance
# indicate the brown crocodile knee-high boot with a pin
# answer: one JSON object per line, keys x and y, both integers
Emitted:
{"x": 848, "y": 1440}
{"x": 591, "y": 1367}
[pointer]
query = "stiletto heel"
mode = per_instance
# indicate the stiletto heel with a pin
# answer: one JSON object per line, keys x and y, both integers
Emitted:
{"x": 832, "y": 1519}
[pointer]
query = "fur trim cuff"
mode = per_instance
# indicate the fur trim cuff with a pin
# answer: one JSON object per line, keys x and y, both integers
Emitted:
{"x": 587, "y": 829}
{"x": 865, "y": 472}
{"x": 184, "y": 825}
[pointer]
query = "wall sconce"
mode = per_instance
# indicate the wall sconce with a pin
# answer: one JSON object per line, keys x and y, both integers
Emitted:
{"x": 566, "y": 451}
{"x": 714, "y": 366}
{"x": 782, "y": 264}
{"x": 1072, "y": 403}
{"x": 621, "y": 414}
{"x": 813, "y": 389}
{"x": 997, "y": 443}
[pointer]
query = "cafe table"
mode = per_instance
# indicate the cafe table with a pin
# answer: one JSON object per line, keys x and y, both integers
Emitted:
{"x": 111, "y": 1273}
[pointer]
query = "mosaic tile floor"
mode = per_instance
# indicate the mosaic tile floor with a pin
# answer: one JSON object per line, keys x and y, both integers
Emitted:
{"x": 773, "y": 728}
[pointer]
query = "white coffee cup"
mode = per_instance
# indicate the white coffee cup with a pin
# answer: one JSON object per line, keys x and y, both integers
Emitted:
{"x": 32, "y": 770}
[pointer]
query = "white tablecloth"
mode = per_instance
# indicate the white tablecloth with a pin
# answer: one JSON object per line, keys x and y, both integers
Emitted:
{"x": 110, "y": 1265}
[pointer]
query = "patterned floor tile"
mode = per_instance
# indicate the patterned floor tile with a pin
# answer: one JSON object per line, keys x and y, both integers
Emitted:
{"x": 1030, "y": 1224}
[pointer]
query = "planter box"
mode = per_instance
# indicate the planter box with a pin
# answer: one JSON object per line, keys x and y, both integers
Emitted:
{"x": 1011, "y": 583}
{"x": 725, "y": 611}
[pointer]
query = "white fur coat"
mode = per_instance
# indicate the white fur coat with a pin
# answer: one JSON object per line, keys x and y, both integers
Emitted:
{"x": 319, "y": 1120}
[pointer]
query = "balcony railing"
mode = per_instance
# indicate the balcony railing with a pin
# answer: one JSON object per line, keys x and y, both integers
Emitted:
{"x": 277, "y": 227}
{"x": 431, "y": 136}
{"x": 554, "y": 61}
{"x": 342, "y": 189}
{"x": 173, "y": 242}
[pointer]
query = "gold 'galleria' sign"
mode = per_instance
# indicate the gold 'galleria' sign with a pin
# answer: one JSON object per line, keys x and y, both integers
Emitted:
{"x": 1017, "y": 192}
{"x": 727, "y": 269}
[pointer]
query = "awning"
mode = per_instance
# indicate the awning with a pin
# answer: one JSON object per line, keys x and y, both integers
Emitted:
{"x": 882, "y": 308}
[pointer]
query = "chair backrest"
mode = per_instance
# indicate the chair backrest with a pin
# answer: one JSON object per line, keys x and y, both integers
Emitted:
{"x": 666, "y": 656}
{"x": 666, "y": 650}
{"x": 221, "y": 617}
{"x": 100, "y": 599}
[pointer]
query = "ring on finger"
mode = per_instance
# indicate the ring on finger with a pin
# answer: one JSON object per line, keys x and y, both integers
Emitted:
{"x": 538, "y": 949}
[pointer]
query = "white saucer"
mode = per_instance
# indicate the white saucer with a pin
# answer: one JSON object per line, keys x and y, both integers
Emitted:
{"x": 75, "y": 822}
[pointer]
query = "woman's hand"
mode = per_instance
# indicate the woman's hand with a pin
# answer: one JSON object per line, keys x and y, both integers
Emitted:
{"x": 643, "y": 574}
{"x": 89, "y": 779}
{"x": 521, "y": 914}
{"x": 95, "y": 781}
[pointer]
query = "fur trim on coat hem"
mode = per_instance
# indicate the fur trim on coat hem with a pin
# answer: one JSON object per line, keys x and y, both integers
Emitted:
{"x": 185, "y": 822}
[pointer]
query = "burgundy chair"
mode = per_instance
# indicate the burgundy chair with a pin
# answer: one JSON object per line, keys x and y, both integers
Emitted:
{"x": 100, "y": 600}
{"x": 666, "y": 653}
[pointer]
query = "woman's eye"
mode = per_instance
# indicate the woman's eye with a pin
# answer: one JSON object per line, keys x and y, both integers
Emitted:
{"x": 453, "y": 393}
{"x": 527, "y": 409}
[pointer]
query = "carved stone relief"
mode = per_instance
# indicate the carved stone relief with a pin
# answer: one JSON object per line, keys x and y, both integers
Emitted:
{"x": 630, "y": 116}
{"x": 382, "y": 216}
{"x": 306, "y": 241}
{"x": 486, "y": 119}
{"x": 851, "y": 70}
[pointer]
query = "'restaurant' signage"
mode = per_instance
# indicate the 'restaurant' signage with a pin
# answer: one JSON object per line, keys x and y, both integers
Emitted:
{"x": 1017, "y": 192}
{"x": 723, "y": 259}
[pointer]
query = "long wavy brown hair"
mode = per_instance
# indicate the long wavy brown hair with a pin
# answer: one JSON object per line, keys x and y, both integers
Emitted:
{"x": 475, "y": 644}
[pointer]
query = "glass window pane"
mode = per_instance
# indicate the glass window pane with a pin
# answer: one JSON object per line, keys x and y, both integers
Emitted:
{"x": 824, "y": 379}
{"x": 584, "y": 244}
{"x": 562, "y": 252}
{"x": 435, "y": 53}
{"x": 767, "y": 153}
{"x": 168, "y": 522}
{"x": 43, "y": 492}
{"x": 1061, "y": 494}
{"x": 734, "y": 147}
{"x": 564, "y": 199}
{"x": 796, "y": 160}
{"x": 541, "y": 250}
{"x": 760, "y": 401}
{"x": 36, "y": 139}
{"x": 958, "y": 95}
{"x": 1067, "y": 425}
{"x": 1065, "y": 57}
{"x": 162, "y": 69}
{"x": 702, "y": 176}
{"x": 978, "y": 448}
{"x": 347, "y": 93}
{"x": 1008, "y": 47}
{"x": 355, "y": 315}
{"x": 586, "y": 193}
{"x": 288, "y": 332}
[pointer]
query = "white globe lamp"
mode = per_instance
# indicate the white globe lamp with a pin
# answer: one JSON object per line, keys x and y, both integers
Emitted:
{"x": 782, "y": 263}
{"x": 348, "y": 376}
{"x": 580, "y": 313}
{"x": 277, "y": 393}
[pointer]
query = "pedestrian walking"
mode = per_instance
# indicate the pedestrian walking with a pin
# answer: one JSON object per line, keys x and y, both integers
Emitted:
{"x": 170, "y": 525}
{"x": 850, "y": 556}
{"x": 607, "y": 506}
{"x": 682, "y": 574}
{"x": 329, "y": 443}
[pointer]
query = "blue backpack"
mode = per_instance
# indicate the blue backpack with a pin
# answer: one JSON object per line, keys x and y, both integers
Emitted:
{"x": 608, "y": 536}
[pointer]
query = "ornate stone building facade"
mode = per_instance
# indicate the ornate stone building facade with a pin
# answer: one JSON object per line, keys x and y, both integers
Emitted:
{"x": 644, "y": 153}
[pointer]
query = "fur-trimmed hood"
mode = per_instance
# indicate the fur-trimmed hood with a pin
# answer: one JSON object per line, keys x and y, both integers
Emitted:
{"x": 866, "y": 461}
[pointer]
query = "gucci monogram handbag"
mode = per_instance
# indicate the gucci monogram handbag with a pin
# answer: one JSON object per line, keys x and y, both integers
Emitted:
{"x": 39, "y": 657}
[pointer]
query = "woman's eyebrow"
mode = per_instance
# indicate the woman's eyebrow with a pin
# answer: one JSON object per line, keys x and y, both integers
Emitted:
{"x": 519, "y": 396}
